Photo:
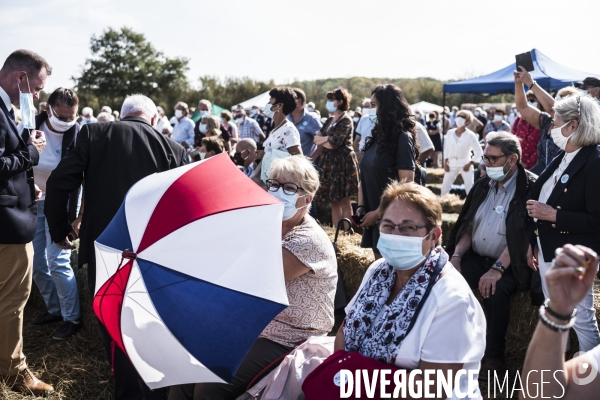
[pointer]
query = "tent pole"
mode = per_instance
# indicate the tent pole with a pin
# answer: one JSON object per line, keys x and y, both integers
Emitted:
{"x": 443, "y": 124}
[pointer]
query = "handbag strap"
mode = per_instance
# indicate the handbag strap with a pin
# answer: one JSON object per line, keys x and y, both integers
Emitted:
{"x": 434, "y": 277}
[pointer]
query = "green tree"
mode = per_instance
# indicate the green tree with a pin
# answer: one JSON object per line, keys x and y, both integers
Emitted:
{"x": 124, "y": 62}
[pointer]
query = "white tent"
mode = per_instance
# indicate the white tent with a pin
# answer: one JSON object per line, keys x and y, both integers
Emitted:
{"x": 261, "y": 100}
{"x": 425, "y": 107}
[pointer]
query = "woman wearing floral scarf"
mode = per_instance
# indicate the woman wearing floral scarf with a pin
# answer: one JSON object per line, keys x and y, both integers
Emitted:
{"x": 391, "y": 318}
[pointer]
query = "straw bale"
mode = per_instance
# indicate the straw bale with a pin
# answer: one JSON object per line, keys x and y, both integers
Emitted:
{"x": 436, "y": 188}
{"x": 436, "y": 175}
{"x": 451, "y": 204}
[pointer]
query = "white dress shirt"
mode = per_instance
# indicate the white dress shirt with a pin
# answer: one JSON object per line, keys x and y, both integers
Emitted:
{"x": 5, "y": 98}
{"x": 457, "y": 150}
{"x": 551, "y": 182}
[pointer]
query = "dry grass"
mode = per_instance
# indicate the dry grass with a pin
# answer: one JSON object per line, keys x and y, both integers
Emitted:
{"x": 436, "y": 175}
{"x": 451, "y": 204}
{"x": 76, "y": 367}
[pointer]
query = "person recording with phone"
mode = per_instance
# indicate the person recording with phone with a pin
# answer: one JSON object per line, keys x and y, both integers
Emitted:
{"x": 564, "y": 200}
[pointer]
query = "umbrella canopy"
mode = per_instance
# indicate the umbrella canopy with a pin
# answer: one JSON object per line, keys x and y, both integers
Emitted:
{"x": 425, "y": 107}
{"x": 548, "y": 74}
{"x": 183, "y": 285}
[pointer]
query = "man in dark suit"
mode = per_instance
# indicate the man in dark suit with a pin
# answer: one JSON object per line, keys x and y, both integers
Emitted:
{"x": 23, "y": 71}
{"x": 112, "y": 157}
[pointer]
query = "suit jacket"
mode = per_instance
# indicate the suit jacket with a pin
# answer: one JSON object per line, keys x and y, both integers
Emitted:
{"x": 68, "y": 143}
{"x": 112, "y": 157}
{"x": 576, "y": 197}
{"x": 18, "y": 210}
{"x": 516, "y": 223}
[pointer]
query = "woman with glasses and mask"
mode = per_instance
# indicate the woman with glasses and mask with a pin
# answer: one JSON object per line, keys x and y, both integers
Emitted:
{"x": 394, "y": 318}
{"x": 52, "y": 270}
{"x": 565, "y": 206}
{"x": 459, "y": 143}
{"x": 310, "y": 271}
{"x": 339, "y": 179}
{"x": 390, "y": 154}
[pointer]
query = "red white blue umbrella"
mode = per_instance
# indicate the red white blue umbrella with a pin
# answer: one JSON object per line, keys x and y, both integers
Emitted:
{"x": 190, "y": 271}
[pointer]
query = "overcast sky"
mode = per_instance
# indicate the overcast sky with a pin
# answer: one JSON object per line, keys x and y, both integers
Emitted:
{"x": 288, "y": 40}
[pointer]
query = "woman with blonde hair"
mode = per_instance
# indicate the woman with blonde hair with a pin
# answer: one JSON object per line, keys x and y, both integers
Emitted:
{"x": 211, "y": 126}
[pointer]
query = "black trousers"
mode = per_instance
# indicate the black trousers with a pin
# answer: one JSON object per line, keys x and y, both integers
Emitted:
{"x": 497, "y": 306}
{"x": 262, "y": 353}
{"x": 128, "y": 384}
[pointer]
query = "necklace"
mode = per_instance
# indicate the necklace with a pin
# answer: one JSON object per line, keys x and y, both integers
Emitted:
{"x": 280, "y": 125}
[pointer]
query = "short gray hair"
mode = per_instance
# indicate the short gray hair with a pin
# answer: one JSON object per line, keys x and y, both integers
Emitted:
{"x": 507, "y": 142}
{"x": 207, "y": 103}
{"x": 296, "y": 169}
{"x": 568, "y": 109}
{"x": 138, "y": 104}
{"x": 103, "y": 117}
{"x": 87, "y": 111}
{"x": 246, "y": 144}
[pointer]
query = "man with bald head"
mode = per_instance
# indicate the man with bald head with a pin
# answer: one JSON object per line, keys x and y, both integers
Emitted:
{"x": 247, "y": 149}
{"x": 112, "y": 157}
{"x": 22, "y": 77}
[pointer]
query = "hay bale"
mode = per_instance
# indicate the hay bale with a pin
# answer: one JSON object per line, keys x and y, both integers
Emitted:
{"x": 436, "y": 175}
{"x": 451, "y": 204}
{"x": 436, "y": 188}
{"x": 448, "y": 222}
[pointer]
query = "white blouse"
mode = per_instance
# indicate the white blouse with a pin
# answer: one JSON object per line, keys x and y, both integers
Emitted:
{"x": 457, "y": 150}
{"x": 450, "y": 327}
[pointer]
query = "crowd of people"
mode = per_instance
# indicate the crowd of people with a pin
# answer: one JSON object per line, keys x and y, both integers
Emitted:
{"x": 64, "y": 175}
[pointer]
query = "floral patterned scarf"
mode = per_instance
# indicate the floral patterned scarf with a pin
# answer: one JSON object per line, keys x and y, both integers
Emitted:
{"x": 381, "y": 340}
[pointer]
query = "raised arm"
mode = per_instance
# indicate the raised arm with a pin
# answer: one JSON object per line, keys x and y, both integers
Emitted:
{"x": 528, "y": 113}
{"x": 542, "y": 96}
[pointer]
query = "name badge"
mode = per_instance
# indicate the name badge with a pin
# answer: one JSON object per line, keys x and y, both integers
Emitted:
{"x": 305, "y": 123}
{"x": 564, "y": 178}
{"x": 499, "y": 209}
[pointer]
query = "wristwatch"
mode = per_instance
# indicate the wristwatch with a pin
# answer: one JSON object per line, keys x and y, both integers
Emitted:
{"x": 498, "y": 266}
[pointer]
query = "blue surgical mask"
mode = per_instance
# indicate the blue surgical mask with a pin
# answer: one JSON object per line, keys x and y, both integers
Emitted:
{"x": 289, "y": 202}
{"x": 268, "y": 111}
{"x": 401, "y": 252}
{"x": 203, "y": 128}
{"x": 26, "y": 107}
{"x": 496, "y": 173}
{"x": 203, "y": 113}
{"x": 330, "y": 106}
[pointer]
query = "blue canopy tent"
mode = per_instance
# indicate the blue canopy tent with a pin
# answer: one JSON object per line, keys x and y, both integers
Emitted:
{"x": 548, "y": 74}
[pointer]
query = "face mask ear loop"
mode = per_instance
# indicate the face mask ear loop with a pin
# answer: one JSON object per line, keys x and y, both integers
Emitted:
{"x": 28, "y": 86}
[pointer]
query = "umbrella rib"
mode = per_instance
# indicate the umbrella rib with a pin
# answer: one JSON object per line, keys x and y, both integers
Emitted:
{"x": 144, "y": 308}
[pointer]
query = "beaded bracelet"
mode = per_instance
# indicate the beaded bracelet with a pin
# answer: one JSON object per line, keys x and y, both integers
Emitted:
{"x": 553, "y": 325}
{"x": 557, "y": 315}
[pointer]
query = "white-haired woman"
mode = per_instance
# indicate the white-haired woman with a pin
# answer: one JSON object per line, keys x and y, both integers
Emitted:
{"x": 565, "y": 205}
{"x": 310, "y": 271}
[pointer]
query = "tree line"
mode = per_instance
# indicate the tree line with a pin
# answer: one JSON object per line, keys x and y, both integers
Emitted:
{"x": 125, "y": 62}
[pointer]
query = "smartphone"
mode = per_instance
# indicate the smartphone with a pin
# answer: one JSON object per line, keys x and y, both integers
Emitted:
{"x": 238, "y": 160}
{"x": 356, "y": 220}
{"x": 524, "y": 60}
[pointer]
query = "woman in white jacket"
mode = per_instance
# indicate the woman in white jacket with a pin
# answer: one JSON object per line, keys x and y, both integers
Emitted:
{"x": 461, "y": 150}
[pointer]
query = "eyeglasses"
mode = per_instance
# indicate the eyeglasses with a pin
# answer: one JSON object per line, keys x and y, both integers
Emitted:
{"x": 403, "y": 229}
{"x": 288, "y": 187}
{"x": 492, "y": 159}
{"x": 63, "y": 119}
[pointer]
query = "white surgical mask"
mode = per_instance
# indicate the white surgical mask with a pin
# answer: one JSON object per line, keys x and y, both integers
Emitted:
{"x": 533, "y": 104}
{"x": 238, "y": 121}
{"x": 202, "y": 156}
{"x": 223, "y": 120}
{"x": 558, "y": 137}
{"x": 26, "y": 107}
{"x": 497, "y": 118}
{"x": 203, "y": 113}
{"x": 496, "y": 173}
{"x": 253, "y": 112}
{"x": 289, "y": 202}
{"x": 310, "y": 109}
{"x": 355, "y": 119}
{"x": 372, "y": 114}
{"x": 557, "y": 98}
{"x": 178, "y": 114}
{"x": 401, "y": 252}
{"x": 268, "y": 111}
{"x": 330, "y": 107}
{"x": 57, "y": 124}
{"x": 460, "y": 121}
{"x": 476, "y": 113}
{"x": 203, "y": 128}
